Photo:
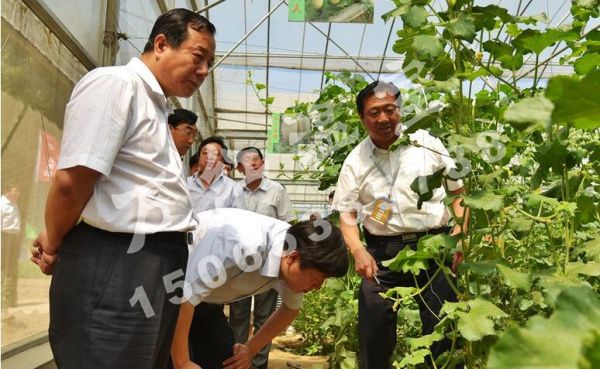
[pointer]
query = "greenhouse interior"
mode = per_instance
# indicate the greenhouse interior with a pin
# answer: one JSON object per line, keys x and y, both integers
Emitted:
{"x": 490, "y": 184}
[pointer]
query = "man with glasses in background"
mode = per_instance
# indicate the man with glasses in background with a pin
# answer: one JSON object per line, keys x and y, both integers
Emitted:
{"x": 182, "y": 124}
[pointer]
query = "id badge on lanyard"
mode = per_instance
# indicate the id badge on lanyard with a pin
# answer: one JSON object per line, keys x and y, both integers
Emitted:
{"x": 381, "y": 210}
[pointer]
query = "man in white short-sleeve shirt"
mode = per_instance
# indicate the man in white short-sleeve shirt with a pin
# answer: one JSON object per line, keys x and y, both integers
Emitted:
{"x": 374, "y": 189}
{"x": 241, "y": 254}
{"x": 262, "y": 195}
{"x": 267, "y": 197}
{"x": 210, "y": 187}
{"x": 121, "y": 175}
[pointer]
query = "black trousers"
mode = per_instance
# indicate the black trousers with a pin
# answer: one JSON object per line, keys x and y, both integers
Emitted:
{"x": 110, "y": 309}
{"x": 211, "y": 337}
{"x": 239, "y": 319}
{"x": 376, "y": 317}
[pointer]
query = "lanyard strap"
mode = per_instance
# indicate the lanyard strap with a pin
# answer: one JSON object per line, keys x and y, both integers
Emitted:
{"x": 390, "y": 179}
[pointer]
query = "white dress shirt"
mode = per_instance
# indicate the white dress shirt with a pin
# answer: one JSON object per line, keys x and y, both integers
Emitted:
{"x": 269, "y": 198}
{"x": 11, "y": 218}
{"x": 116, "y": 124}
{"x": 223, "y": 192}
{"x": 238, "y": 255}
{"x": 361, "y": 183}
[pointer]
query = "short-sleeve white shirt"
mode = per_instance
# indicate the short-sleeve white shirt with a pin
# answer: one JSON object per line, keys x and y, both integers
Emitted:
{"x": 361, "y": 183}
{"x": 223, "y": 192}
{"x": 237, "y": 255}
{"x": 11, "y": 218}
{"x": 269, "y": 198}
{"x": 116, "y": 124}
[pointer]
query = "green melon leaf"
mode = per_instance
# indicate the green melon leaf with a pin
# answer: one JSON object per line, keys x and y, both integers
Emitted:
{"x": 462, "y": 27}
{"x": 555, "y": 343}
{"x": 573, "y": 100}
{"x": 478, "y": 322}
{"x": 587, "y": 63}
{"x": 514, "y": 278}
{"x": 536, "y": 41}
{"x": 530, "y": 113}
{"x": 416, "y": 17}
{"x": 576, "y": 268}
{"x": 591, "y": 249}
{"x": 427, "y": 47}
{"x": 485, "y": 200}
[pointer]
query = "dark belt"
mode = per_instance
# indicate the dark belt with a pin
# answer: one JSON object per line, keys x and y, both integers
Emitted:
{"x": 185, "y": 238}
{"x": 409, "y": 236}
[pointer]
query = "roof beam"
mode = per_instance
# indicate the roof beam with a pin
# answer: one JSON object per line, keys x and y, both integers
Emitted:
{"x": 369, "y": 64}
{"x": 162, "y": 5}
{"x": 224, "y": 56}
{"x": 58, "y": 28}
{"x": 242, "y": 134}
{"x": 208, "y": 6}
{"x": 111, "y": 41}
{"x": 325, "y": 56}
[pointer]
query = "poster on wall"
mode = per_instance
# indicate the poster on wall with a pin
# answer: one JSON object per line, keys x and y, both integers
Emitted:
{"x": 287, "y": 133}
{"x": 331, "y": 11}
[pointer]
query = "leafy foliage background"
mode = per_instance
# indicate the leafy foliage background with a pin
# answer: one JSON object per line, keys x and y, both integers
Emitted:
{"x": 528, "y": 151}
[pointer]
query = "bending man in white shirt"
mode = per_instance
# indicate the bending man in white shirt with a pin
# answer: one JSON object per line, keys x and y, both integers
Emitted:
{"x": 240, "y": 254}
{"x": 267, "y": 197}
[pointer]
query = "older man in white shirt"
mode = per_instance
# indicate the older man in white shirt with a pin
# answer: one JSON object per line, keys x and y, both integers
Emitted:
{"x": 120, "y": 173}
{"x": 374, "y": 189}
{"x": 241, "y": 254}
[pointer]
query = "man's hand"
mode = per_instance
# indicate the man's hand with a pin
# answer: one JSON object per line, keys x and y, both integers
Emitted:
{"x": 188, "y": 365}
{"x": 241, "y": 359}
{"x": 364, "y": 264}
{"x": 41, "y": 257}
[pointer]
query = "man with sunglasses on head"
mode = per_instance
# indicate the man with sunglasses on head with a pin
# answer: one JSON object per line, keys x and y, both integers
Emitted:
{"x": 182, "y": 124}
{"x": 374, "y": 189}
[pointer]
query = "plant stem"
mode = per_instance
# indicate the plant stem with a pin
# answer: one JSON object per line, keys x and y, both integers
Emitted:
{"x": 535, "y": 74}
{"x": 546, "y": 220}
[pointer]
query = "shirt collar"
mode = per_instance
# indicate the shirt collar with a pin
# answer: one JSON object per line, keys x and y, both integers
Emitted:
{"x": 214, "y": 182}
{"x": 373, "y": 148}
{"x": 264, "y": 184}
{"x": 148, "y": 77}
{"x": 275, "y": 241}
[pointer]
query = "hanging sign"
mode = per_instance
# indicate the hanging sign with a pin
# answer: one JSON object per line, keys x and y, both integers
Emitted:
{"x": 331, "y": 11}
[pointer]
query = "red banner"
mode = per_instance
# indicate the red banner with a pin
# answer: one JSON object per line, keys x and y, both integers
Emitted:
{"x": 47, "y": 157}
